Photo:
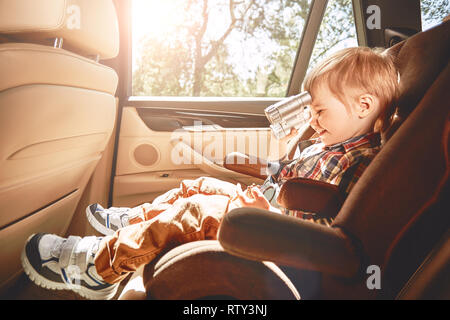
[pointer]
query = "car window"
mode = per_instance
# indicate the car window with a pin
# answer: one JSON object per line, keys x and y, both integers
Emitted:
{"x": 433, "y": 12}
{"x": 337, "y": 31}
{"x": 215, "y": 47}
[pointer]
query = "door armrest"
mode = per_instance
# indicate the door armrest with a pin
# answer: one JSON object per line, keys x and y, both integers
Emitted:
{"x": 246, "y": 164}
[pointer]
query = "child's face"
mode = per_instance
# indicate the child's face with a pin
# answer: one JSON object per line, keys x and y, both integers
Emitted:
{"x": 331, "y": 119}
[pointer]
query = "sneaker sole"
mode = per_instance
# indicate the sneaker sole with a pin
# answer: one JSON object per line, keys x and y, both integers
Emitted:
{"x": 48, "y": 284}
{"x": 97, "y": 225}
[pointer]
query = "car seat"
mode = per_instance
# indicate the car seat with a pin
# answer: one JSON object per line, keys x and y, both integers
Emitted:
{"x": 394, "y": 220}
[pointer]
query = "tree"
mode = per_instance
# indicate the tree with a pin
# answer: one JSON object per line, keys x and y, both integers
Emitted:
{"x": 336, "y": 31}
{"x": 433, "y": 11}
{"x": 200, "y": 56}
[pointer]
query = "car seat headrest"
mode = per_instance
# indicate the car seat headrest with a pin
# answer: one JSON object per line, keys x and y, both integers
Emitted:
{"x": 419, "y": 60}
{"x": 87, "y": 27}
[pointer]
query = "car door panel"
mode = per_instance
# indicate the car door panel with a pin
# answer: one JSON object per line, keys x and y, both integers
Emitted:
{"x": 154, "y": 155}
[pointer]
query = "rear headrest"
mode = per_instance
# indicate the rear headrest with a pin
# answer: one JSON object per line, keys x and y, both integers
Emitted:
{"x": 87, "y": 27}
{"x": 419, "y": 60}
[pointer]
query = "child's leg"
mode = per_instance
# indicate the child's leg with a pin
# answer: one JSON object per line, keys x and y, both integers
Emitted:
{"x": 188, "y": 219}
{"x": 108, "y": 221}
{"x": 188, "y": 188}
{"x": 93, "y": 266}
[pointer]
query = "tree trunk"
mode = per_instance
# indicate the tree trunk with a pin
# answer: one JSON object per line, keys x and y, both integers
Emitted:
{"x": 198, "y": 77}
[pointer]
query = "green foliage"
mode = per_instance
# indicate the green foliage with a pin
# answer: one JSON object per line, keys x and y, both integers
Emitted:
{"x": 336, "y": 31}
{"x": 193, "y": 62}
{"x": 433, "y": 11}
{"x": 243, "y": 47}
{"x": 250, "y": 53}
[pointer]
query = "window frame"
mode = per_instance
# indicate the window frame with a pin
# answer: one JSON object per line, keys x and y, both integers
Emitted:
{"x": 301, "y": 62}
{"x": 306, "y": 45}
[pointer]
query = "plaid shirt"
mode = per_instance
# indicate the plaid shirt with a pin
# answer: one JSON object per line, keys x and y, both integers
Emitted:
{"x": 341, "y": 164}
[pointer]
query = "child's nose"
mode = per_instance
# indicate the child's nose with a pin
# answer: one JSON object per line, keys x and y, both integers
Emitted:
{"x": 313, "y": 119}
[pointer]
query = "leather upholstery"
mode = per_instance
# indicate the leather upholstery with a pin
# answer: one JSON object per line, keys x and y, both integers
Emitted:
{"x": 412, "y": 249}
{"x": 210, "y": 271}
{"x": 57, "y": 112}
{"x": 87, "y": 27}
{"x": 419, "y": 60}
{"x": 47, "y": 65}
{"x": 430, "y": 281}
{"x": 260, "y": 235}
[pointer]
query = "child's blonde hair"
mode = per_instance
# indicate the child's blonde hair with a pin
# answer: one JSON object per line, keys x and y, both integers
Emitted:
{"x": 368, "y": 70}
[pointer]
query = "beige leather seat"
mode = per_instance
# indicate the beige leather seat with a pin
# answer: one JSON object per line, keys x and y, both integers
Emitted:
{"x": 57, "y": 112}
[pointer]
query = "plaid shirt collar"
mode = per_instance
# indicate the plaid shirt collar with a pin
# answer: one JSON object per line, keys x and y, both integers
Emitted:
{"x": 372, "y": 138}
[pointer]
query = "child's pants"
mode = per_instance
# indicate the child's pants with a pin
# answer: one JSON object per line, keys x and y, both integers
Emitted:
{"x": 192, "y": 212}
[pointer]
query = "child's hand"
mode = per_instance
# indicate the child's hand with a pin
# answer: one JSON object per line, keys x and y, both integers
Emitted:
{"x": 252, "y": 197}
{"x": 291, "y": 134}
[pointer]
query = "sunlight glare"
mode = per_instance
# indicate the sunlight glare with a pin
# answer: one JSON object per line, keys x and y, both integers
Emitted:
{"x": 153, "y": 18}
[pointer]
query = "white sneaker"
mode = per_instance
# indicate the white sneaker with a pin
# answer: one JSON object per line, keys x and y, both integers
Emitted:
{"x": 57, "y": 263}
{"x": 107, "y": 221}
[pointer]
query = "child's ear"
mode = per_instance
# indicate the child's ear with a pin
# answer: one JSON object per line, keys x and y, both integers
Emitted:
{"x": 366, "y": 105}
